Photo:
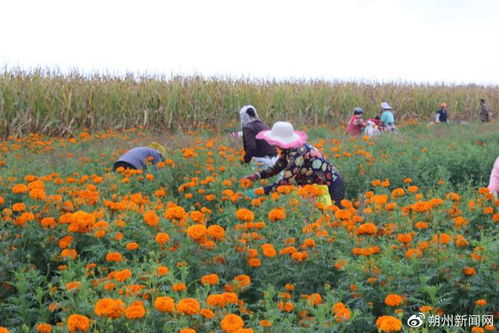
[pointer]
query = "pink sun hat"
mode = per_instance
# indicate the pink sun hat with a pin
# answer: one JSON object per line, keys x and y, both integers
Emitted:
{"x": 283, "y": 135}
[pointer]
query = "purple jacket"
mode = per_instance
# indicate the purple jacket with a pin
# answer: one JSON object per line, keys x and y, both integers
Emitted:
{"x": 138, "y": 157}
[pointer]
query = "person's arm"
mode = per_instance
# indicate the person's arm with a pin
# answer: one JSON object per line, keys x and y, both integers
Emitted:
{"x": 288, "y": 177}
{"x": 437, "y": 117}
{"x": 249, "y": 142}
{"x": 279, "y": 165}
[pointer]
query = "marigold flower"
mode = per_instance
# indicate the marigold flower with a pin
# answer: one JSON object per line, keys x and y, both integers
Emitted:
{"x": 469, "y": 271}
{"x": 114, "y": 257}
{"x": 286, "y": 306}
{"x": 72, "y": 285}
{"x": 197, "y": 232}
{"x": 216, "y": 232}
{"x": 189, "y": 306}
{"x": 254, "y": 262}
{"x": 481, "y": 302}
{"x": 187, "y": 330}
{"x": 78, "y": 322}
{"x": 245, "y": 215}
{"x": 110, "y": 308}
{"x": 265, "y": 323}
{"x": 132, "y": 246}
{"x": 268, "y": 250}
{"x": 20, "y": 188}
{"x": 135, "y": 311}
{"x": 393, "y": 300}
{"x": 388, "y": 324}
{"x": 179, "y": 287}
{"x": 277, "y": 214}
{"x": 162, "y": 238}
{"x": 151, "y": 218}
{"x": 44, "y": 328}
{"x": 367, "y": 229}
{"x": 210, "y": 279}
{"x": 231, "y": 323}
{"x": 164, "y": 304}
{"x": 207, "y": 313}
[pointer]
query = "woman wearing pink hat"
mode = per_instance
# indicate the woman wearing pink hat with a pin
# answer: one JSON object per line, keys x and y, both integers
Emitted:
{"x": 300, "y": 162}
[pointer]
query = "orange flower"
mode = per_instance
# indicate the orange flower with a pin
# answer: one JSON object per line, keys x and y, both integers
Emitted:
{"x": 72, "y": 285}
{"x": 265, "y": 323}
{"x": 135, "y": 311}
{"x": 254, "y": 262}
{"x": 78, "y": 322}
{"x": 231, "y": 323}
{"x": 210, "y": 279}
{"x": 164, "y": 304}
{"x": 216, "y": 232}
{"x": 179, "y": 287}
{"x": 388, "y": 324}
{"x": 20, "y": 188}
{"x": 268, "y": 250}
{"x": 123, "y": 275}
{"x": 162, "y": 270}
{"x": 132, "y": 246}
{"x": 114, "y": 257}
{"x": 187, "y": 330}
{"x": 277, "y": 214}
{"x": 393, "y": 300}
{"x": 367, "y": 229}
{"x": 189, "y": 306}
{"x": 286, "y": 306}
{"x": 207, "y": 313}
{"x": 469, "y": 271}
{"x": 110, "y": 308}
{"x": 44, "y": 328}
{"x": 162, "y": 238}
{"x": 481, "y": 302}
{"x": 65, "y": 241}
{"x": 404, "y": 238}
{"x": 197, "y": 232}
{"x": 245, "y": 215}
{"x": 242, "y": 280}
{"x": 314, "y": 299}
{"x": 151, "y": 218}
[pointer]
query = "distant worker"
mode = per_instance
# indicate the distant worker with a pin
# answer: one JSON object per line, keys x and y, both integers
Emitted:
{"x": 442, "y": 116}
{"x": 387, "y": 118}
{"x": 256, "y": 151}
{"x": 137, "y": 158}
{"x": 494, "y": 179}
{"x": 355, "y": 124}
{"x": 484, "y": 111}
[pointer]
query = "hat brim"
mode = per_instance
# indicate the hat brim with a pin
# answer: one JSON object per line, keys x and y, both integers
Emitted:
{"x": 298, "y": 139}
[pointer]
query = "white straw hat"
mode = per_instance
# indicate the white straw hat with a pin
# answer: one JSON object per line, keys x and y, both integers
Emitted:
{"x": 385, "y": 106}
{"x": 283, "y": 135}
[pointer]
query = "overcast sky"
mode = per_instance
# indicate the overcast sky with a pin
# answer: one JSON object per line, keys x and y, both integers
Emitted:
{"x": 411, "y": 40}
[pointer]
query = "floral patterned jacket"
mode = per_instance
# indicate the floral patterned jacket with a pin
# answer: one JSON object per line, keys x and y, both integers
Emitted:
{"x": 303, "y": 165}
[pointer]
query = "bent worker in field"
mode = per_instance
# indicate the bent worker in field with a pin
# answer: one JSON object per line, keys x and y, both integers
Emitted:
{"x": 301, "y": 163}
{"x": 484, "y": 111}
{"x": 442, "y": 114}
{"x": 387, "y": 118}
{"x": 355, "y": 124}
{"x": 256, "y": 151}
{"x": 137, "y": 158}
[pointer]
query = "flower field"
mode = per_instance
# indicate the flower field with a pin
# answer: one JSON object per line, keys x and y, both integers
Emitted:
{"x": 178, "y": 248}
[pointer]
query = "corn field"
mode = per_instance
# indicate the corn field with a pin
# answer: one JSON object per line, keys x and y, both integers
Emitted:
{"x": 55, "y": 104}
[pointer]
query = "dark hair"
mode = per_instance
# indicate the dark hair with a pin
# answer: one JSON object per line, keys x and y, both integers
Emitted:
{"x": 251, "y": 112}
{"x": 377, "y": 117}
{"x": 482, "y": 100}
